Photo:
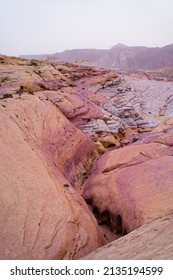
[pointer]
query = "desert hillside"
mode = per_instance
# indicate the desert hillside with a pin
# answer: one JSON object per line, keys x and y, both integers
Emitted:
{"x": 86, "y": 161}
{"x": 119, "y": 57}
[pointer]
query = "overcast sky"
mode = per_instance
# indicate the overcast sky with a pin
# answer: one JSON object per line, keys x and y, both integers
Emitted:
{"x": 49, "y": 26}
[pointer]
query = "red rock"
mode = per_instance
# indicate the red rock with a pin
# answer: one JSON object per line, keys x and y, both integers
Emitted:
{"x": 72, "y": 106}
{"x": 42, "y": 154}
{"x": 150, "y": 242}
{"x": 133, "y": 184}
{"x": 45, "y": 159}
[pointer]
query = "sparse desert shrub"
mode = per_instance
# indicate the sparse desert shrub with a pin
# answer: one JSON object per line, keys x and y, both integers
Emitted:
{"x": 33, "y": 63}
{"x": 28, "y": 87}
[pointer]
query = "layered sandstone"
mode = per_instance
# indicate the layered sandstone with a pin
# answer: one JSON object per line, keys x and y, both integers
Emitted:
{"x": 56, "y": 121}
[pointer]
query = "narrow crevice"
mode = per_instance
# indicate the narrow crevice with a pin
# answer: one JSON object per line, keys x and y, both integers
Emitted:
{"x": 114, "y": 222}
{"x": 106, "y": 220}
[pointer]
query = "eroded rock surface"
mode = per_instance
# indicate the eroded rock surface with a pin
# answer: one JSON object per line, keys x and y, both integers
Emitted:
{"x": 133, "y": 185}
{"x": 56, "y": 120}
{"x": 150, "y": 242}
{"x": 99, "y": 102}
{"x": 42, "y": 156}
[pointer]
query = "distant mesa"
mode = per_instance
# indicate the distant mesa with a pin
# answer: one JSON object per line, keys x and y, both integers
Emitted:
{"x": 120, "y": 46}
{"x": 118, "y": 57}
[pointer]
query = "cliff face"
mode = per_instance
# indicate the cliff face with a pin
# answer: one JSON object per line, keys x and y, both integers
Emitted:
{"x": 56, "y": 120}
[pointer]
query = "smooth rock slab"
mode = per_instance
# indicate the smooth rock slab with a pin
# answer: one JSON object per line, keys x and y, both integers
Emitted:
{"x": 133, "y": 185}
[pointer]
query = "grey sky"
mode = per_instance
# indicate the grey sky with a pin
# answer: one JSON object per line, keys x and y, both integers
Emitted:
{"x": 49, "y": 26}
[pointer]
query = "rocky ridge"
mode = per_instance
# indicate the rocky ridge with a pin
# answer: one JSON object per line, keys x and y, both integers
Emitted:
{"x": 56, "y": 121}
{"x": 119, "y": 57}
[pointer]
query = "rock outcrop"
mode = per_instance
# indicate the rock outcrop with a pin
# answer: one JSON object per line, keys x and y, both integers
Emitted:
{"x": 55, "y": 122}
{"x": 43, "y": 156}
{"x": 132, "y": 185}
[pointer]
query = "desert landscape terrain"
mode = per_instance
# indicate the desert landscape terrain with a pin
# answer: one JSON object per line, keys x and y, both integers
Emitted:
{"x": 86, "y": 160}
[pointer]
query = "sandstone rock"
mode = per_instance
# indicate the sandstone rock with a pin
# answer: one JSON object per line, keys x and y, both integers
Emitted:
{"x": 45, "y": 159}
{"x": 109, "y": 141}
{"x": 163, "y": 127}
{"x": 101, "y": 149}
{"x": 96, "y": 88}
{"x": 114, "y": 128}
{"x": 42, "y": 155}
{"x": 148, "y": 129}
{"x": 19, "y": 76}
{"x": 150, "y": 242}
{"x": 133, "y": 184}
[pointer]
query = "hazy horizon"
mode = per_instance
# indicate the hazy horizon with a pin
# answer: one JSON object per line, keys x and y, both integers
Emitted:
{"x": 50, "y": 26}
{"x": 94, "y": 49}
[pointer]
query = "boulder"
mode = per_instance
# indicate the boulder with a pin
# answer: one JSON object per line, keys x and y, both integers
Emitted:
{"x": 133, "y": 185}
{"x": 109, "y": 141}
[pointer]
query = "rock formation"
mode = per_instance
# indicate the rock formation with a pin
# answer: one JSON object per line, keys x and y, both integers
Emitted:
{"x": 140, "y": 187}
{"x": 42, "y": 156}
{"x": 71, "y": 133}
